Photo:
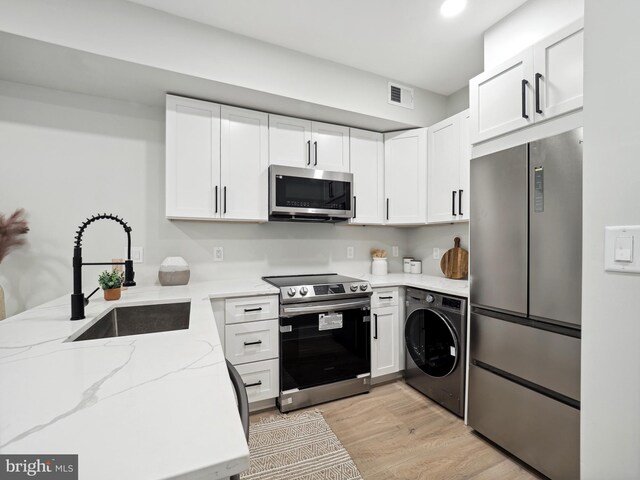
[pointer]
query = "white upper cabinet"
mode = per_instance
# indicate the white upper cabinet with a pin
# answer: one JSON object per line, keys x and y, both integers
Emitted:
{"x": 216, "y": 161}
{"x": 244, "y": 163}
{"x": 558, "y": 79}
{"x": 367, "y": 166}
{"x": 448, "y": 170}
{"x": 542, "y": 82}
{"x": 405, "y": 167}
{"x": 300, "y": 143}
{"x": 330, "y": 147}
{"x": 289, "y": 141}
{"x": 192, "y": 158}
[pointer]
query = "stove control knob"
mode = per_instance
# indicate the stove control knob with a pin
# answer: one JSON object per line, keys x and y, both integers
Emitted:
{"x": 354, "y": 287}
{"x": 363, "y": 286}
{"x": 430, "y": 299}
{"x": 291, "y": 292}
{"x": 303, "y": 291}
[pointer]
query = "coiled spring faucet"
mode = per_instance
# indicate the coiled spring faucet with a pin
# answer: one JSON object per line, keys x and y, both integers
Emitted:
{"x": 78, "y": 300}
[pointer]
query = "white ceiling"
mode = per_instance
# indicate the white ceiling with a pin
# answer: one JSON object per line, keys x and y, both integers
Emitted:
{"x": 404, "y": 40}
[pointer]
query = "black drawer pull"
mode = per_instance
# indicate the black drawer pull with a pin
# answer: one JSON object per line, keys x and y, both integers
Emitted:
{"x": 247, "y": 310}
{"x": 524, "y": 98}
{"x": 257, "y": 342}
{"x": 538, "y": 77}
{"x": 460, "y": 202}
{"x": 255, "y": 384}
{"x": 385, "y": 298}
{"x": 375, "y": 335}
{"x": 309, "y": 152}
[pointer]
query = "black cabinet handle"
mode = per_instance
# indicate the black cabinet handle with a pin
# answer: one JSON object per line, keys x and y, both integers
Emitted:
{"x": 453, "y": 203}
{"x": 225, "y": 200}
{"x": 385, "y": 298}
{"x": 252, "y": 309}
{"x": 255, "y": 384}
{"x": 387, "y": 209}
{"x": 258, "y": 342}
{"x": 460, "y": 202}
{"x": 538, "y": 77}
{"x": 355, "y": 207}
{"x": 524, "y": 98}
{"x": 375, "y": 326}
{"x": 216, "y": 194}
{"x": 308, "y": 152}
{"x": 315, "y": 152}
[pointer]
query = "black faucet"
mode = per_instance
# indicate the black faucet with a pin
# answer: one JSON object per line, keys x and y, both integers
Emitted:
{"x": 78, "y": 300}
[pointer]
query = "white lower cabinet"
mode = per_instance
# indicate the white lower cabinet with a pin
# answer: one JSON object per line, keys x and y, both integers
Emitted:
{"x": 261, "y": 379}
{"x": 385, "y": 329}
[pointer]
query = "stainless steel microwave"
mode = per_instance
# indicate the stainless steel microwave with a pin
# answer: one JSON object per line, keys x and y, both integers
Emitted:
{"x": 307, "y": 194}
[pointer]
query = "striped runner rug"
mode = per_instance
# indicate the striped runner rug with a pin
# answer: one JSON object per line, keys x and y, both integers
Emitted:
{"x": 297, "y": 446}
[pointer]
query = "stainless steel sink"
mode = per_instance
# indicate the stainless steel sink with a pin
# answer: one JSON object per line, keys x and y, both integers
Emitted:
{"x": 136, "y": 320}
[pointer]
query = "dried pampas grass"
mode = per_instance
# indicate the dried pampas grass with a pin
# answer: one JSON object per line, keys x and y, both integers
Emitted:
{"x": 12, "y": 230}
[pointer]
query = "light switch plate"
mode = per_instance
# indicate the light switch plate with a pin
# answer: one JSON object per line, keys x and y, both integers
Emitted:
{"x": 350, "y": 252}
{"x": 394, "y": 251}
{"x": 137, "y": 254}
{"x": 619, "y": 245}
{"x": 218, "y": 254}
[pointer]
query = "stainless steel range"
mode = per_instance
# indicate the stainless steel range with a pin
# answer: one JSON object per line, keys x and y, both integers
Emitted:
{"x": 325, "y": 346}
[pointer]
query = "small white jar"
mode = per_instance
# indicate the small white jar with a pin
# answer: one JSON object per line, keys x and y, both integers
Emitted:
{"x": 379, "y": 266}
{"x": 406, "y": 267}
{"x": 416, "y": 266}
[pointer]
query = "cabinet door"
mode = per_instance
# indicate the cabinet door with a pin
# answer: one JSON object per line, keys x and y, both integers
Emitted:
{"x": 558, "y": 62}
{"x": 501, "y": 99}
{"x": 367, "y": 166}
{"x": 330, "y": 147}
{"x": 192, "y": 158}
{"x": 405, "y": 169}
{"x": 289, "y": 141}
{"x": 465, "y": 165}
{"x": 244, "y": 164}
{"x": 385, "y": 344}
{"x": 443, "y": 172}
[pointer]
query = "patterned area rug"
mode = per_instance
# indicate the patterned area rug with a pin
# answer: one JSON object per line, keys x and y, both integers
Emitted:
{"x": 298, "y": 446}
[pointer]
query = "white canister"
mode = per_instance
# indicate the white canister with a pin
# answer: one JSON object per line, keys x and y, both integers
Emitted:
{"x": 379, "y": 266}
{"x": 416, "y": 266}
{"x": 406, "y": 261}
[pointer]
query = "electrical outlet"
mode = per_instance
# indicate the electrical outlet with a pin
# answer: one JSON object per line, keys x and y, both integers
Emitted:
{"x": 436, "y": 253}
{"x": 394, "y": 251}
{"x": 137, "y": 254}
{"x": 350, "y": 252}
{"x": 218, "y": 254}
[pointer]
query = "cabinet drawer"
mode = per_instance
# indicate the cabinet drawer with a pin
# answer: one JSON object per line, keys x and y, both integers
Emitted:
{"x": 250, "y": 309}
{"x": 546, "y": 358}
{"x": 261, "y": 379}
{"x": 252, "y": 341}
{"x": 384, "y": 297}
{"x": 537, "y": 429}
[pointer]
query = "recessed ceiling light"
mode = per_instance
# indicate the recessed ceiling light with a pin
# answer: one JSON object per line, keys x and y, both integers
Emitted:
{"x": 451, "y": 8}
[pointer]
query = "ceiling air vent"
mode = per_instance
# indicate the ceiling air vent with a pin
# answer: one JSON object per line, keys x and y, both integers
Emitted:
{"x": 400, "y": 95}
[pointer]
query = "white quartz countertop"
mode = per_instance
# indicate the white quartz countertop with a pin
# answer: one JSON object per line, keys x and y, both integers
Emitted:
{"x": 150, "y": 406}
{"x": 425, "y": 282}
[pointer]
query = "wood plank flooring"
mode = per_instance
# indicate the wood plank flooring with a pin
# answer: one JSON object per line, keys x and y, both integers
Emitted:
{"x": 396, "y": 433}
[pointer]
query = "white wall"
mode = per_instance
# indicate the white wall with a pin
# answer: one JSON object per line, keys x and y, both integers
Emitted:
{"x": 611, "y": 302}
{"x": 423, "y": 240}
{"x": 65, "y": 156}
{"x": 457, "y": 101}
{"x": 534, "y": 20}
{"x": 138, "y": 34}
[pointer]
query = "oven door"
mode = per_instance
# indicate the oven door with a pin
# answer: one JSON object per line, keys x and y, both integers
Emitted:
{"x": 324, "y": 342}
{"x": 308, "y": 192}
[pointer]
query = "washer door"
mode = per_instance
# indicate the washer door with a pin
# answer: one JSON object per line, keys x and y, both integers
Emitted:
{"x": 431, "y": 342}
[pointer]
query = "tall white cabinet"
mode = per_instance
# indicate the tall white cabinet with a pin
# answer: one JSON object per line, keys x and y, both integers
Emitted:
{"x": 301, "y": 143}
{"x": 540, "y": 83}
{"x": 216, "y": 161}
{"x": 448, "y": 170}
{"x": 367, "y": 167}
{"x": 405, "y": 167}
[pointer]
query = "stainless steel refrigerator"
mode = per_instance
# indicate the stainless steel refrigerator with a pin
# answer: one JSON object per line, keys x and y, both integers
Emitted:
{"x": 525, "y": 252}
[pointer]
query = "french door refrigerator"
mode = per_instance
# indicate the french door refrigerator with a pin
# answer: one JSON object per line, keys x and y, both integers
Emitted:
{"x": 526, "y": 235}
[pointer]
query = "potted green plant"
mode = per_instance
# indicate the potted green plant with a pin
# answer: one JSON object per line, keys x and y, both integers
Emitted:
{"x": 111, "y": 283}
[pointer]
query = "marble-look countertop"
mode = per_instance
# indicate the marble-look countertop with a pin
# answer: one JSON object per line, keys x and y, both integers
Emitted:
{"x": 425, "y": 282}
{"x": 146, "y": 406}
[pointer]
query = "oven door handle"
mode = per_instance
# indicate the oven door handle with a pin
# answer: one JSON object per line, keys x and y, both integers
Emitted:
{"x": 292, "y": 311}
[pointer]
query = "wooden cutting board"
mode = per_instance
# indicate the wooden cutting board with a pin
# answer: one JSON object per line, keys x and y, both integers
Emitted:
{"x": 455, "y": 263}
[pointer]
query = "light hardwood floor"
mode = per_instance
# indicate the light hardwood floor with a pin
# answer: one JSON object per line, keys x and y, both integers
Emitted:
{"x": 396, "y": 433}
